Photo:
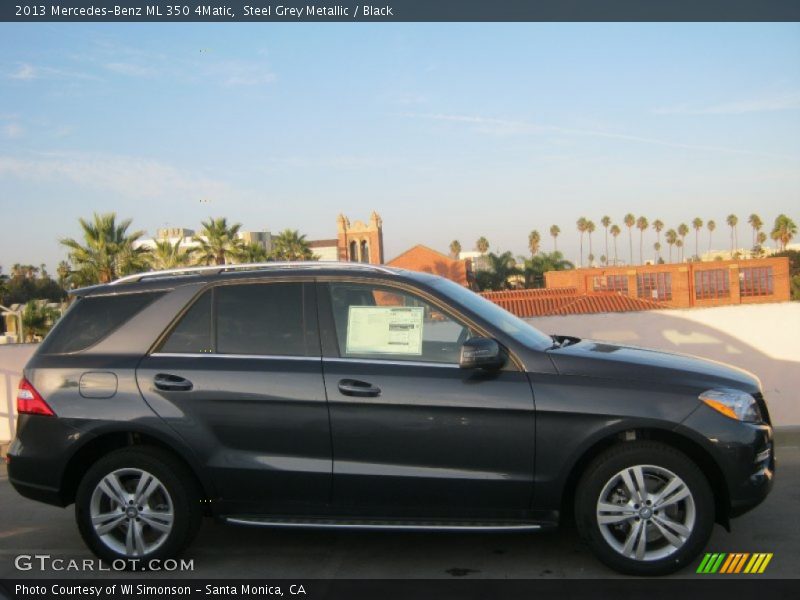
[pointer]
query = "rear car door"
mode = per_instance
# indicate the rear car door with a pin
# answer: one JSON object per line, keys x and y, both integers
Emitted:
{"x": 239, "y": 377}
{"x": 413, "y": 434}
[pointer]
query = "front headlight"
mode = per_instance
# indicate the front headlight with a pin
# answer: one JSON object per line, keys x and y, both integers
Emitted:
{"x": 734, "y": 404}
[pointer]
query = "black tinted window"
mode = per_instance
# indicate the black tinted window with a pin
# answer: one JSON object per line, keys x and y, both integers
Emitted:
{"x": 264, "y": 319}
{"x": 193, "y": 332}
{"x": 93, "y": 318}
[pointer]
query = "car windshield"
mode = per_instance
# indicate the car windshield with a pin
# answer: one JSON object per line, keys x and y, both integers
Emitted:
{"x": 521, "y": 331}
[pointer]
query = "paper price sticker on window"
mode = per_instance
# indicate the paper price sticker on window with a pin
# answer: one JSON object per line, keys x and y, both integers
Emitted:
{"x": 385, "y": 330}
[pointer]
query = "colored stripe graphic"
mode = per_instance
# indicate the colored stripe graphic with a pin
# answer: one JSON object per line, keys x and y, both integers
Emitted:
{"x": 735, "y": 562}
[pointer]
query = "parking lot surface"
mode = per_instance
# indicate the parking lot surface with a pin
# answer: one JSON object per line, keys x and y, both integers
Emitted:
{"x": 222, "y": 551}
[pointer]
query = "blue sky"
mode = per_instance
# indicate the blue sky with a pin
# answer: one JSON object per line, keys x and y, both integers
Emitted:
{"x": 448, "y": 130}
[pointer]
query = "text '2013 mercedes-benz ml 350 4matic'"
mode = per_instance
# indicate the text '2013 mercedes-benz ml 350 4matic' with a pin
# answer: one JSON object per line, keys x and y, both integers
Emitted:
{"x": 357, "y": 396}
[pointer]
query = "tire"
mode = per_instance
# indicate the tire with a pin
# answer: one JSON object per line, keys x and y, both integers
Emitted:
{"x": 162, "y": 485}
{"x": 675, "y": 532}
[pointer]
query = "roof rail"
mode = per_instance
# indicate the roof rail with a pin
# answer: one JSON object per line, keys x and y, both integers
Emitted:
{"x": 266, "y": 266}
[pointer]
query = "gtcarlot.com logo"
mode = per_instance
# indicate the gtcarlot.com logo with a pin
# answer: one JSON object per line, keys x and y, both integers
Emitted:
{"x": 733, "y": 563}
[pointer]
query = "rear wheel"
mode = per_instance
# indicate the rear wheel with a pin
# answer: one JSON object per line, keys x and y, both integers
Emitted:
{"x": 644, "y": 508}
{"x": 138, "y": 503}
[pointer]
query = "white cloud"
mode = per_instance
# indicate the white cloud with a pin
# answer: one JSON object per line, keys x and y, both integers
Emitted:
{"x": 776, "y": 102}
{"x": 24, "y": 72}
{"x": 126, "y": 176}
{"x": 13, "y": 131}
{"x": 240, "y": 73}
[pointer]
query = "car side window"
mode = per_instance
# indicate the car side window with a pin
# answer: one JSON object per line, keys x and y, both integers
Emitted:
{"x": 261, "y": 319}
{"x": 381, "y": 322}
{"x": 192, "y": 334}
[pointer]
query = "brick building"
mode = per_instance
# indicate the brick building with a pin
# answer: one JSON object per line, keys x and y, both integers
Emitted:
{"x": 427, "y": 260}
{"x": 683, "y": 285}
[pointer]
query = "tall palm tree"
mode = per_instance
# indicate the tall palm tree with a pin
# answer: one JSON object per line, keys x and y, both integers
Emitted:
{"x": 482, "y": 245}
{"x": 679, "y": 246}
{"x": 107, "y": 250}
{"x": 169, "y": 256}
{"x": 732, "y": 221}
{"x": 697, "y": 223}
{"x": 671, "y": 237}
{"x": 783, "y": 231}
{"x": 534, "y": 241}
{"x": 554, "y": 231}
{"x": 581, "y": 224}
{"x": 290, "y": 245}
{"x": 756, "y": 223}
{"x": 641, "y": 225}
{"x": 711, "y": 225}
{"x": 683, "y": 231}
{"x": 455, "y": 249}
{"x": 63, "y": 271}
{"x": 606, "y": 223}
{"x": 217, "y": 242}
{"x": 252, "y": 252}
{"x": 534, "y": 268}
{"x": 658, "y": 226}
{"x": 501, "y": 267}
{"x": 590, "y": 227}
{"x": 615, "y": 231}
{"x": 657, "y": 248}
{"x": 630, "y": 221}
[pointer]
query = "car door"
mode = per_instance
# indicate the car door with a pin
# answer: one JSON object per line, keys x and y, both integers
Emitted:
{"x": 239, "y": 377}
{"x": 413, "y": 434}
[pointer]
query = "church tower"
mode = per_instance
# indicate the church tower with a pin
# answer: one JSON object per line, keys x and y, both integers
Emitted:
{"x": 361, "y": 242}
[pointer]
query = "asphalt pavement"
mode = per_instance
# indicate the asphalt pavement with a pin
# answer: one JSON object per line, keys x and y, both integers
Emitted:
{"x": 224, "y": 551}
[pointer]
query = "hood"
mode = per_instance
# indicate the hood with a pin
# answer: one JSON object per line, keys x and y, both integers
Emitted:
{"x": 605, "y": 360}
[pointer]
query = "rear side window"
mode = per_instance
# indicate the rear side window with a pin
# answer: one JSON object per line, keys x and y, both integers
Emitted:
{"x": 92, "y": 319}
{"x": 192, "y": 335}
{"x": 261, "y": 319}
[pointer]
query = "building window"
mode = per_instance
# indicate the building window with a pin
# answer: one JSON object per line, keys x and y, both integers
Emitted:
{"x": 364, "y": 252}
{"x": 610, "y": 283}
{"x": 755, "y": 281}
{"x": 353, "y": 251}
{"x": 712, "y": 283}
{"x": 655, "y": 286}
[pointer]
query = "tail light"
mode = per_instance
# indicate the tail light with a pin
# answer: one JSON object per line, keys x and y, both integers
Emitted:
{"x": 29, "y": 402}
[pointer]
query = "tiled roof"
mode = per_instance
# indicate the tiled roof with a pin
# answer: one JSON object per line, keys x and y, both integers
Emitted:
{"x": 565, "y": 301}
{"x": 424, "y": 259}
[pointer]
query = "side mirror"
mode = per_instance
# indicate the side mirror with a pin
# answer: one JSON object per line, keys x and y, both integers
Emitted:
{"x": 482, "y": 353}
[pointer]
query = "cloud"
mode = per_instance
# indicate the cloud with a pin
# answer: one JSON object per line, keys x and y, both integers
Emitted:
{"x": 24, "y": 72}
{"x": 783, "y": 101}
{"x": 13, "y": 131}
{"x": 129, "y": 69}
{"x": 126, "y": 176}
{"x": 235, "y": 73}
{"x": 508, "y": 127}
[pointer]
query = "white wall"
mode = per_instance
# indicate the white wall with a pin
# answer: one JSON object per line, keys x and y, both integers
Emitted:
{"x": 762, "y": 338}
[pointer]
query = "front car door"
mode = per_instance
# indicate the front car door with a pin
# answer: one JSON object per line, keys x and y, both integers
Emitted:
{"x": 413, "y": 434}
{"x": 239, "y": 377}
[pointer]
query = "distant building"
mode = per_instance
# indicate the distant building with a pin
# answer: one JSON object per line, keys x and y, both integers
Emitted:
{"x": 359, "y": 241}
{"x": 424, "y": 259}
{"x": 684, "y": 285}
{"x": 186, "y": 238}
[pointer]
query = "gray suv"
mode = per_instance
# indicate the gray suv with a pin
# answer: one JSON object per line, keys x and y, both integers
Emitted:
{"x": 346, "y": 395}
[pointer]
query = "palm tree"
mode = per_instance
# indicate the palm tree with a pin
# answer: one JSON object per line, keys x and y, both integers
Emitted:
{"x": 217, "y": 242}
{"x": 756, "y": 223}
{"x": 290, "y": 245}
{"x": 683, "y": 231}
{"x": 657, "y": 248}
{"x": 630, "y": 221}
{"x": 455, "y": 249}
{"x": 760, "y": 239}
{"x": 711, "y": 225}
{"x": 679, "y": 246}
{"x": 581, "y": 224}
{"x": 606, "y": 223}
{"x": 482, "y": 245}
{"x": 534, "y": 268}
{"x": 615, "y": 231}
{"x": 697, "y": 223}
{"x": 732, "y": 221}
{"x": 641, "y": 225}
{"x": 534, "y": 240}
{"x": 783, "y": 231}
{"x": 169, "y": 256}
{"x": 252, "y": 252}
{"x": 554, "y": 231}
{"x": 64, "y": 271}
{"x": 590, "y": 230}
{"x": 658, "y": 226}
{"x": 671, "y": 237}
{"x": 107, "y": 250}
{"x": 500, "y": 268}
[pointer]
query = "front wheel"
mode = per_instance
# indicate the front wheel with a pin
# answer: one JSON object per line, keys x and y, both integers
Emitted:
{"x": 644, "y": 508}
{"x": 137, "y": 503}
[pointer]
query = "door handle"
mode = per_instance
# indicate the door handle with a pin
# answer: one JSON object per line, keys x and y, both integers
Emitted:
{"x": 362, "y": 389}
{"x": 172, "y": 383}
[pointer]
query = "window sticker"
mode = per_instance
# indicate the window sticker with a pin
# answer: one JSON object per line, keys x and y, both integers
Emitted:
{"x": 385, "y": 330}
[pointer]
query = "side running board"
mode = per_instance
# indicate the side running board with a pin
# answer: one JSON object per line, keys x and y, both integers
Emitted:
{"x": 387, "y": 524}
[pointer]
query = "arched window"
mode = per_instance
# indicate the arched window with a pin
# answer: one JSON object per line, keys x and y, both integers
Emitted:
{"x": 353, "y": 251}
{"x": 364, "y": 251}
